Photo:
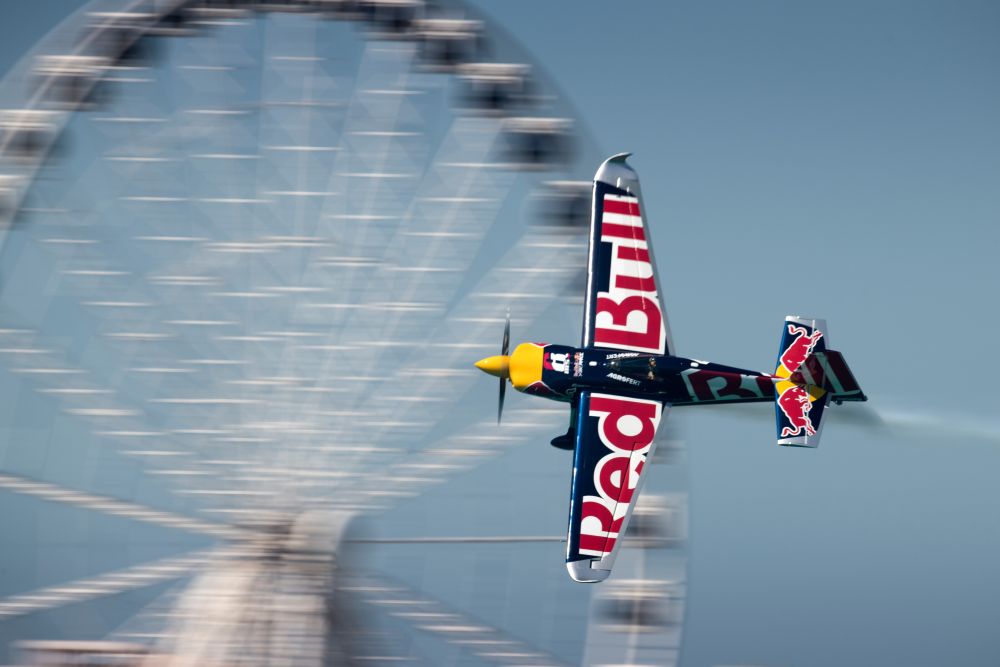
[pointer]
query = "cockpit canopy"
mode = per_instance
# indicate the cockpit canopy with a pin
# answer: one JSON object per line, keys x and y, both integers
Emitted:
{"x": 639, "y": 366}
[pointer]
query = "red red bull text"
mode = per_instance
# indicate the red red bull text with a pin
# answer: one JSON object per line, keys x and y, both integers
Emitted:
{"x": 628, "y": 314}
{"x": 626, "y": 426}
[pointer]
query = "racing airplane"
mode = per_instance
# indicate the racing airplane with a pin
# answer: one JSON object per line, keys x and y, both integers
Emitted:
{"x": 624, "y": 376}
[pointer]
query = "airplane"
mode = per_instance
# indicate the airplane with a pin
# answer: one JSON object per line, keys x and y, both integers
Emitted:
{"x": 624, "y": 376}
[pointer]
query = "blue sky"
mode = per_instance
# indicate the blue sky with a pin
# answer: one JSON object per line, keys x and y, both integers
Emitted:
{"x": 840, "y": 160}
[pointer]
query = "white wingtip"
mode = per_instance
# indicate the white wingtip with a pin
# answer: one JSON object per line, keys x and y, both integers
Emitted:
{"x": 615, "y": 171}
{"x": 581, "y": 571}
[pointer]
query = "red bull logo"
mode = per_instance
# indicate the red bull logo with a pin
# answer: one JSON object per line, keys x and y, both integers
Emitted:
{"x": 628, "y": 315}
{"x": 799, "y": 349}
{"x": 626, "y": 426}
{"x": 795, "y": 403}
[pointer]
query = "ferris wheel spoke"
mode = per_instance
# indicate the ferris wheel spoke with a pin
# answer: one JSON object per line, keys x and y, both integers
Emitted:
{"x": 414, "y": 473}
{"x": 386, "y": 342}
{"x": 366, "y": 322}
{"x": 428, "y": 615}
{"x": 112, "y": 583}
{"x": 343, "y": 179}
{"x": 514, "y": 281}
{"x": 113, "y": 507}
{"x": 109, "y": 415}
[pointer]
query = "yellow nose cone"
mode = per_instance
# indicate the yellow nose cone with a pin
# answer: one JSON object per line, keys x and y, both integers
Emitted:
{"x": 498, "y": 365}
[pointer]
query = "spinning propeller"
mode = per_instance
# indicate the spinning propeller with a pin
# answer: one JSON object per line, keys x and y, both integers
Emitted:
{"x": 499, "y": 365}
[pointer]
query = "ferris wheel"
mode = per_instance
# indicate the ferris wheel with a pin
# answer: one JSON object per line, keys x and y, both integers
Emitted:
{"x": 249, "y": 250}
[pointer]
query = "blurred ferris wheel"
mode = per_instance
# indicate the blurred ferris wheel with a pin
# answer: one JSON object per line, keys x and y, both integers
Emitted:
{"x": 249, "y": 250}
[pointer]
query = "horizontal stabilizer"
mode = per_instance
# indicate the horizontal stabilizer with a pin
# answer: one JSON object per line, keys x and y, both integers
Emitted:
{"x": 829, "y": 371}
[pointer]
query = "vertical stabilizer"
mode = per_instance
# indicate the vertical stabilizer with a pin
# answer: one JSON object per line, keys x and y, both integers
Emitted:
{"x": 799, "y": 404}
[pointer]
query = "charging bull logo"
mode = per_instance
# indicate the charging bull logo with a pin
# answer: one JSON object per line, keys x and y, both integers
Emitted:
{"x": 795, "y": 403}
{"x": 626, "y": 426}
{"x": 628, "y": 315}
{"x": 799, "y": 349}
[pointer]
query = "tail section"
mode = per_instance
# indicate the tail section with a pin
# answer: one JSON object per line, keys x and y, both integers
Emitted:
{"x": 828, "y": 370}
{"x": 811, "y": 376}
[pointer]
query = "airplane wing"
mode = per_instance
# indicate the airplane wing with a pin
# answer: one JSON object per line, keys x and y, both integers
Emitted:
{"x": 614, "y": 436}
{"x": 622, "y": 304}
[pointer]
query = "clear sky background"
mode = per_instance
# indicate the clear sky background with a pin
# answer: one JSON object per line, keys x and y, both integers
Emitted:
{"x": 840, "y": 160}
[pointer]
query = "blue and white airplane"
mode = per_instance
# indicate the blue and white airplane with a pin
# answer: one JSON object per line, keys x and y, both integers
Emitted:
{"x": 624, "y": 376}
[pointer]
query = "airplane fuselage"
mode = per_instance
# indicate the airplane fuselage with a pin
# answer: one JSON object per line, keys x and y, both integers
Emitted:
{"x": 560, "y": 372}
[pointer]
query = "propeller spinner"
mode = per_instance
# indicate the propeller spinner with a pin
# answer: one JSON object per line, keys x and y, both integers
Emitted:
{"x": 499, "y": 366}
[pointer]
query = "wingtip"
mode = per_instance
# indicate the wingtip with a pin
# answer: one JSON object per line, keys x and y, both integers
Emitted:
{"x": 582, "y": 572}
{"x": 616, "y": 171}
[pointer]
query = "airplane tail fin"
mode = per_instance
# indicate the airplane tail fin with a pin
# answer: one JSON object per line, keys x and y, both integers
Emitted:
{"x": 813, "y": 376}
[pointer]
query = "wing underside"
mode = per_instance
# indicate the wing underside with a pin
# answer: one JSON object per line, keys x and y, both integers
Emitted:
{"x": 614, "y": 437}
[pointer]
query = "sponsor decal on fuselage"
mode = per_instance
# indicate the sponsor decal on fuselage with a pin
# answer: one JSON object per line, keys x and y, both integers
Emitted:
{"x": 626, "y": 427}
{"x": 621, "y": 355}
{"x": 622, "y": 378}
{"x": 577, "y": 364}
{"x": 707, "y": 385}
{"x": 628, "y": 315}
